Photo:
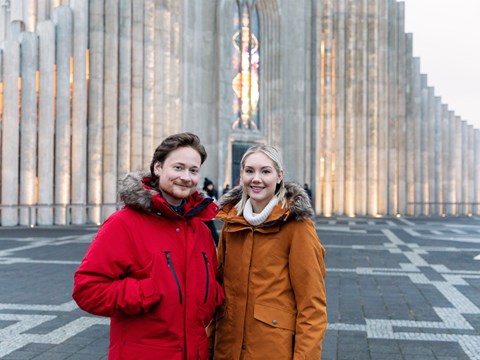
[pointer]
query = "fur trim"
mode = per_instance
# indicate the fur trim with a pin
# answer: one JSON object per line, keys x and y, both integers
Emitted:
{"x": 298, "y": 201}
{"x": 133, "y": 192}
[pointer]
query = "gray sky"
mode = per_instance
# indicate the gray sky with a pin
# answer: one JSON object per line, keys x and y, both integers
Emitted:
{"x": 446, "y": 38}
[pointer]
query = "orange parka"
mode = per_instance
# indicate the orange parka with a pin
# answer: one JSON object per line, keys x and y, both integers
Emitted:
{"x": 273, "y": 278}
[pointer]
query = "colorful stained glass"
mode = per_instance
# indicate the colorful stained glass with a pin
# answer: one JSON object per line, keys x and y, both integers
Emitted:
{"x": 245, "y": 65}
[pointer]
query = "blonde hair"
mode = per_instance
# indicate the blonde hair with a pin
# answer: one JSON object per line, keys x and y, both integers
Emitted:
{"x": 273, "y": 154}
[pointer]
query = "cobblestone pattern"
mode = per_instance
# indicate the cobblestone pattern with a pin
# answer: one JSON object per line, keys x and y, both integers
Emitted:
{"x": 397, "y": 289}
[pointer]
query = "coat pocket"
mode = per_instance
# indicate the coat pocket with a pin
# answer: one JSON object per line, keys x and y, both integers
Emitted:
{"x": 275, "y": 317}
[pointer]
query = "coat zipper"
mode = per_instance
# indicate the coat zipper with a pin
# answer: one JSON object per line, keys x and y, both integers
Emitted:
{"x": 205, "y": 258}
{"x": 170, "y": 265}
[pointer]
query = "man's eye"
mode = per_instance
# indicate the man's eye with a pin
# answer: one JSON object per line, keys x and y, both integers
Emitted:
{"x": 177, "y": 167}
{"x": 194, "y": 171}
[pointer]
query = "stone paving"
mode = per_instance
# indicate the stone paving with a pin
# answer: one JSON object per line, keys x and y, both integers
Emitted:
{"x": 398, "y": 288}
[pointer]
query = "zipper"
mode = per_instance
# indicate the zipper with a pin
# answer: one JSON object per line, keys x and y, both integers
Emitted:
{"x": 174, "y": 273}
{"x": 205, "y": 259}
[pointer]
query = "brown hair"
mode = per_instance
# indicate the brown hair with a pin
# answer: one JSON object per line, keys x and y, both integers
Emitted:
{"x": 172, "y": 143}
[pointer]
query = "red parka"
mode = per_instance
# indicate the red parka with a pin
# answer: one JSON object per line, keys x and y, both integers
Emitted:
{"x": 153, "y": 272}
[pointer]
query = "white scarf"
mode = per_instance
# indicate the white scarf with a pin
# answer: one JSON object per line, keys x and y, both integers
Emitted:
{"x": 257, "y": 219}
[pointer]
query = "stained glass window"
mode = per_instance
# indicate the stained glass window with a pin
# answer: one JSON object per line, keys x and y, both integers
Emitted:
{"x": 246, "y": 62}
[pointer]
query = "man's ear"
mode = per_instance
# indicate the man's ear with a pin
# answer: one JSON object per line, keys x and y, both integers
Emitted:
{"x": 157, "y": 168}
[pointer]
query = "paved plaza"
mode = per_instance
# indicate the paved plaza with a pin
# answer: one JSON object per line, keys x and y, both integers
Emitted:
{"x": 398, "y": 288}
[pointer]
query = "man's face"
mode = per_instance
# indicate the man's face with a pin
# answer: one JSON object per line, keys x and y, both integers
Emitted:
{"x": 179, "y": 174}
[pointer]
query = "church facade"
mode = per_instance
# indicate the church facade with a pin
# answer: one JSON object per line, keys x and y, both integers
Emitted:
{"x": 89, "y": 88}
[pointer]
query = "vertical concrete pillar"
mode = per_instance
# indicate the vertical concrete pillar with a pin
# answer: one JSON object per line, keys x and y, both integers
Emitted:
{"x": 350, "y": 75}
{"x": 444, "y": 184}
{"x": 28, "y": 127}
{"x": 136, "y": 160}
{"x": 46, "y": 122}
{"x": 361, "y": 111}
{"x": 417, "y": 124}
{"x": 340, "y": 56}
{"x": 430, "y": 181}
{"x": 401, "y": 122}
{"x": 465, "y": 168}
{"x": 110, "y": 107}
{"x": 451, "y": 208}
{"x": 174, "y": 111}
{"x": 63, "y": 132}
{"x": 458, "y": 166}
{"x": 382, "y": 152}
{"x": 30, "y": 17}
{"x": 409, "y": 128}
{"x": 424, "y": 145}
{"x": 392, "y": 109}
{"x": 327, "y": 102}
{"x": 148, "y": 81}
{"x": 124, "y": 87}
{"x": 10, "y": 133}
{"x": 96, "y": 115}
{"x": 437, "y": 195}
{"x": 476, "y": 180}
{"x": 470, "y": 168}
{"x": 79, "y": 111}
{"x": 372, "y": 107}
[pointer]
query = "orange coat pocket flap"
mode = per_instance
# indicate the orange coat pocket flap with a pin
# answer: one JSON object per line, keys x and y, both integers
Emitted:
{"x": 275, "y": 317}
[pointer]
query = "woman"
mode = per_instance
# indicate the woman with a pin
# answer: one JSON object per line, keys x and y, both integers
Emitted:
{"x": 151, "y": 267}
{"x": 273, "y": 267}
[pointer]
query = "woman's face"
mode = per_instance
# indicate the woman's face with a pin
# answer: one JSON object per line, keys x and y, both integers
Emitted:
{"x": 260, "y": 178}
{"x": 179, "y": 174}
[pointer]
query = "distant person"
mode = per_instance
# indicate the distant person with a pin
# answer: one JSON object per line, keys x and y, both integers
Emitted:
{"x": 308, "y": 191}
{"x": 273, "y": 267}
{"x": 152, "y": 265}
{"x": 211, "y": 192}
{"x": 226, "y": 189}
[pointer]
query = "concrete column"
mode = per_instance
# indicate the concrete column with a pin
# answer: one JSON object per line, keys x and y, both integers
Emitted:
{"x": 409, "y": 128}
{"x": 28, "y": 127}
{"x": 63, "y": 132}
{"x": 110, "y": 107}
{"x": 476, "y": 181}
{"x": 470, "y": 168}
{"x": 10, "y": 133}
{"x": 372, "y": 106}
{"x": 424, "y": 146}
{"x": 444, "y": 184}
{"x": 437, "y": 195}
{"x": 451, "y": 208}
{"x": 458, "y": 166}
{"x": 96, "y": 116}
{"x": 30, "y": 16}
{"x": 148, "y": 81}
{"x": 46, "y": 122}
{"x": 382, "y": 152}
{"x": 361, "y": 111}
{"x": 79, "y": 111}
{"x": 393, "y": 109}
{"x": 465, "y": 167}
{"x": 175, "y": 75}
{"x": 340, "y": 56}
{"x": 401, "y": 122}
{"x": 327, "y": 106}
{"x": 430, "y": 180}
{"x": 350, "y": 75}
{"x": 317, "y": 187}
{"x": 417, "y": 123}
{"x": 124, "y": 87}
{"x": 136, "y": 160}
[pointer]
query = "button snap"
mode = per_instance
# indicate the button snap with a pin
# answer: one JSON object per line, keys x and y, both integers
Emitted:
{"x": 177, "y": 229}
{"x": 274, "y": 322}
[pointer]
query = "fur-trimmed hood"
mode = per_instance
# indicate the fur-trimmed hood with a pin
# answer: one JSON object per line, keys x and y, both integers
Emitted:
{"x": 298, "y": 202}
{"x": 135, "y": 192}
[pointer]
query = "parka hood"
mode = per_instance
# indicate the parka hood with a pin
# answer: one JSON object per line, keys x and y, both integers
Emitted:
{"x": 135, "y": 192}
{"x": 298, "y": 202}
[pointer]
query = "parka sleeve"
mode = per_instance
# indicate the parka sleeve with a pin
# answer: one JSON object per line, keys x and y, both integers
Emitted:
{"x": 307, "y": 274}
{"x": 102, "y": 285}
